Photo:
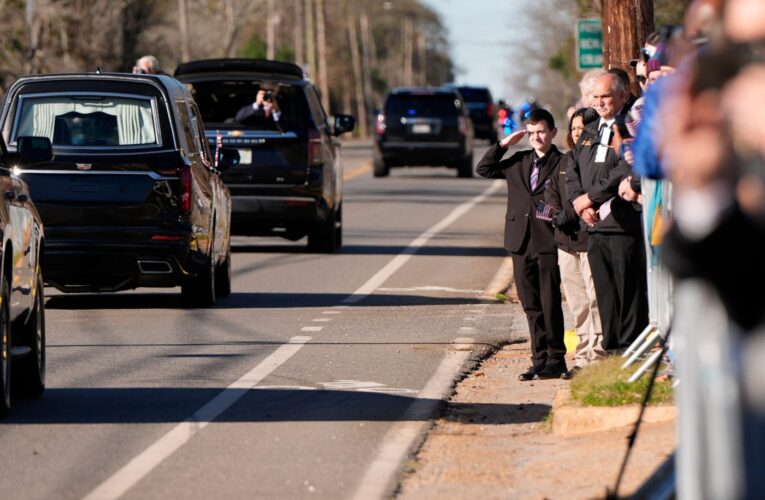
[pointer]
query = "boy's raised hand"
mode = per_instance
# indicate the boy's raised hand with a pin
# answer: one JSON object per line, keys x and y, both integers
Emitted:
{"x": 513, "y": 138}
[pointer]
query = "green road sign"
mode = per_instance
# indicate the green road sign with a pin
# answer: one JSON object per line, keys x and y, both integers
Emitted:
{"x": 589, "y": 44}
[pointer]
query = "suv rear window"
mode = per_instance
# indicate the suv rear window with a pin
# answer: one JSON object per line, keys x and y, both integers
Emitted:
{"x": 83, "y": 120}
{"x": 473, "y": 94}
{"x": 219, "y": 102}
{"x": 437, "y": 105}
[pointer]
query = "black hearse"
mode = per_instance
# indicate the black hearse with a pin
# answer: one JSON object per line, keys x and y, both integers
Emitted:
{"x": 133, "y": 197}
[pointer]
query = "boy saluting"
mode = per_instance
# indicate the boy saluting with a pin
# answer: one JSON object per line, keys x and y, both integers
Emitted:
{"x": 529, "y": 238}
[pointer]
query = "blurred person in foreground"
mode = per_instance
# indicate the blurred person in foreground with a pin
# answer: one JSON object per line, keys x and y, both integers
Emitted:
{"x": 714, "y": 154}
{"x": 614, "y": 249}
{"x": 529, "y": 238}
{"x": 571, "y": 240}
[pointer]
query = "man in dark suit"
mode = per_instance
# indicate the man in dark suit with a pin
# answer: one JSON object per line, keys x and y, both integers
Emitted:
{"x": 529, "y": 238}
{"x": 615, "y": 247}
{"x": 263, "y": 114}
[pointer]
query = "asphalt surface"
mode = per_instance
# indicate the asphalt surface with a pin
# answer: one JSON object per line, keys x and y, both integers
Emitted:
{"x": 311, "y": 381}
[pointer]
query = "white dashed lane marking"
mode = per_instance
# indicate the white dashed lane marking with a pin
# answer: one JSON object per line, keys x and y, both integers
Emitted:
{"x": 312, "y": 329}
{"x": 146, "y": 461}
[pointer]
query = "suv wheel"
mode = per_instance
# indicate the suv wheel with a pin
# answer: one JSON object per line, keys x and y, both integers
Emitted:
{"x": 29, "y": 371}
{"x": 339, "y": 226}
{"x": 199, "y": 291}
{"x": 323, "y": 237}
{"x": 5, "y": 348}
{"x": 465, "y": 166}
{"x": 381, "y": 169}
{"x": 223, "y": 277}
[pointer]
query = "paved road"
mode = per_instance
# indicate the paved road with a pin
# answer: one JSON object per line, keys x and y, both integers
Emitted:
{"x": 311, "y": 380}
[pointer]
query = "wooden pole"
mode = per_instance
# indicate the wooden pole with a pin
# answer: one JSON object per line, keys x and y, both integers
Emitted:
{"x": 361, "y": 112}
{"x": 367, "y": 63}
{"x": 297, "y": 34}
{"x": 309, "y": 39}
{"x": 270, "y": 26}
{"x": 183, "y": 28}
{"x": 626, "y": 24}
{"x": 321, "y": 41}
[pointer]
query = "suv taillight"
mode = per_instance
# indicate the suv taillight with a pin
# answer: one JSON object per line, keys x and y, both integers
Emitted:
{"x": 490, "y": 110}
{"x": 380, "y": 124}
{"x": 186, "y": 180}
{"x": 314, "y": 147}
{"x": 462, "y": 125}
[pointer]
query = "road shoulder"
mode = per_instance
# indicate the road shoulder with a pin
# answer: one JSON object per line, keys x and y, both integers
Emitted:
{"x": 494, "y": 440}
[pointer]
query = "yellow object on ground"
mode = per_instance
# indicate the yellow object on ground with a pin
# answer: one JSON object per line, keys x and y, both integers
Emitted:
{"x": 571, "y": 339}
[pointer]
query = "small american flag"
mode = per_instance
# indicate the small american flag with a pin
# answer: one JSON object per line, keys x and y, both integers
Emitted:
{"x": 218, "y": 145}
{"x": 545, "y": 212}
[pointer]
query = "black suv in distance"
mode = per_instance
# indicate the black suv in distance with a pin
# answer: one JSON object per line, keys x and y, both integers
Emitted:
{"x": 289, "y": 182}
{"x": 480, "y": 105}
{"x": 423, "y": 127}
{"x": 132, "y": 197}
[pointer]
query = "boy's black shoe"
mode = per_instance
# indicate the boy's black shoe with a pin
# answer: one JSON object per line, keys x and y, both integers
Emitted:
{"x": 551, "y": 372}
{"x": 571, "y": 373}
{"x": 529, "y": 375}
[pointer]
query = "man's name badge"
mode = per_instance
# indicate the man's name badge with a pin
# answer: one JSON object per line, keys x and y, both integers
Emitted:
{"x": 605, "y": 138}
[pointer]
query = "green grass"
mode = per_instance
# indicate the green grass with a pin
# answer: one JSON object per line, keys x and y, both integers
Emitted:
{"x": 501, "y": 297}
{"x": 605, "y": 384}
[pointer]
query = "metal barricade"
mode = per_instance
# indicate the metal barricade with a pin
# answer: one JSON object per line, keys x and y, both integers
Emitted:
{"x": 657, "y": 206}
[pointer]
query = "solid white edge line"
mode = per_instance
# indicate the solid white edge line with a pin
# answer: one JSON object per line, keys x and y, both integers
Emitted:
{"x": 394, "y": 265}
{"x": 382, "y": 472}
{"x": 143, "y": 463}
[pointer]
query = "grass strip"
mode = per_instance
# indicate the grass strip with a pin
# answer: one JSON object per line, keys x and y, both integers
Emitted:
{"x": 605, "y": 384}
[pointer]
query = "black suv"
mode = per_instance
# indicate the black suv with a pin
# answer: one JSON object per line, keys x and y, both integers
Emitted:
{"x": 480, "y": 104}
{"x": 133, "y": 197}
{"x": 289, "y": 180}
{"x": 423, "y": 126}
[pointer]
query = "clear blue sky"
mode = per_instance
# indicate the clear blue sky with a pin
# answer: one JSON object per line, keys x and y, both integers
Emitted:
{"x": 480, "y": 33}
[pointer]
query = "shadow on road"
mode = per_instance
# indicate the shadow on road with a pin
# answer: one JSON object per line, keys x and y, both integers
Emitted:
{"x": 447, "y": 251}
{"x": 170, "y": 405}
{"x": 249, "y": 300}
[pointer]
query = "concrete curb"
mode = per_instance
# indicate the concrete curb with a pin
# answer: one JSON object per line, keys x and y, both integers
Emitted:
{"x": 503, "y": 282}
{"x": 572, "y": 419}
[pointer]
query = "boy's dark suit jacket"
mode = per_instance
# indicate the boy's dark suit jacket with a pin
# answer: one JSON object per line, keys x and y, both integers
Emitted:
{"x": 523, "y": 231}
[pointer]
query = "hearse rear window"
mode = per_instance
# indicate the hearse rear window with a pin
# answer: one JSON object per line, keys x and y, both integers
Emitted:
{"x": 90, "y": 121}
{"x": 220, "y": 101}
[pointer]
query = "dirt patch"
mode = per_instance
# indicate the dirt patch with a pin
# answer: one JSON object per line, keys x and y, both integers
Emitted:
{"x": 494, "y": 441}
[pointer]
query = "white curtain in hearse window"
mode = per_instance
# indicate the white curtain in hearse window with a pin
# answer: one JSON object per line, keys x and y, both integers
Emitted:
{"x": 86, "y": 121}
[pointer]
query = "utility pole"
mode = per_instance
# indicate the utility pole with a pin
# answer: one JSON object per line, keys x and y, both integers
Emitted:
{"x": 297, "y": 34}
{"x": 309, "y": 39}
{"x": 367, "y": 63}
{"x": 270, "y": 29}
{"x": 626, "y": 23}
{"x": 408, "y": 51}
{"x": 321, "y": 41}
{"x": 31, "y": 15}
{"x": 361, "y": 112}
{"x": 422, "y": 69}
{"x": 183, "y": 27}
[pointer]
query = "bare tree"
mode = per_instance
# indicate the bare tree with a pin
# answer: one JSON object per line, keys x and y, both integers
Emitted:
{"x": 531, "y": 74}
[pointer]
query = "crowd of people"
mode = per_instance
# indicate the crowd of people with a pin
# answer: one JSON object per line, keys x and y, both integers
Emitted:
{"x": 595, "y": 217}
